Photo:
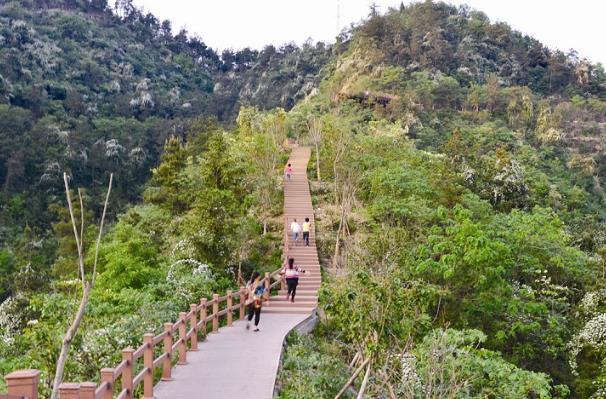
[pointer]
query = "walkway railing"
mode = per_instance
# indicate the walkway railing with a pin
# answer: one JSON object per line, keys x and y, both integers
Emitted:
{"x": 138, "y": 365}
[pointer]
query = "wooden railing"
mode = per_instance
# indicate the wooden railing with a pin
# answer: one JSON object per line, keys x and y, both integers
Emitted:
{"x": 177, "y": 338}
{"x": 138, "y": 365}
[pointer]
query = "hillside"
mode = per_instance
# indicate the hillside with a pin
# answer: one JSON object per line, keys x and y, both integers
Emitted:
{"x": 92, "y": 90}
{"x": 458, "y": 178}
{"x": 460, "y": 212}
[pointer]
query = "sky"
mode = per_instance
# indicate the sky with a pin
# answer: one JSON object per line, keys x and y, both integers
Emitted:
{"x": 235, "y": 24}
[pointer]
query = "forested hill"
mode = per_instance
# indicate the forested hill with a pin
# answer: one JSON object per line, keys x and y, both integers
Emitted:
{"x": 460, "y": 212}
{"x": 458, "y": 177}
{"x": 89, "y": 89}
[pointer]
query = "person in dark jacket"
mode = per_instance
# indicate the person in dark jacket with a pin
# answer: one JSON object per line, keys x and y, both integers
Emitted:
{"x": 255, "y": 289}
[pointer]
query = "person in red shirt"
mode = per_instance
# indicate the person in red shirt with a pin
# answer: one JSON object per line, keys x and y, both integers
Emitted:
{"x": 288, "y": 171}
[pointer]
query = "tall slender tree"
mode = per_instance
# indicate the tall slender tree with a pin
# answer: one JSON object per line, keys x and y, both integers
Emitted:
{"x": 88, "y": 282}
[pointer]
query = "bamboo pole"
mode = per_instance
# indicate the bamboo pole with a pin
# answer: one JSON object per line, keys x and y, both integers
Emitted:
{"x": 352, "y": 378}
{"x": 364, "y": 382}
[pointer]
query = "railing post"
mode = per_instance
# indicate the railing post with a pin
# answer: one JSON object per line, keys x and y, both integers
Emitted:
{"x": 68, "y": 390}
{"x": 167, "y": 365}
{"x": 215, "y": 313}
{"x": 242, "y": 302}
{"x": 107, "y": 375}
{"x": 282, "y": 283}
{"x": 148, "y": 363}
{"x": 203, "y": 314}
{"x": 23, "y": 383}
{"x": 127, "y": 374}
{"x": 193, "y": 324}
{"x": 87, "y": 390}
{"x": 182, "y": 338}
{"x": 267, "y": 284}
{"x": 230, "y": 315}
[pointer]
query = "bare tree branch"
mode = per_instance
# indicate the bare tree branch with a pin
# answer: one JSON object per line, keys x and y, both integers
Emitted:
{"x": 81, "y": 218}
{"x": 109, "y": 190}
{"x": 78, "y": 243}
{"x": 86, "y": 285}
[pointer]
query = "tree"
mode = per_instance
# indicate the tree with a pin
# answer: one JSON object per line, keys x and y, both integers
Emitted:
{"x": 166, "y": 183}
{"x": 264, "y": 134}
{"x": 314, "y": 126}
{"x": 87, "y": 282}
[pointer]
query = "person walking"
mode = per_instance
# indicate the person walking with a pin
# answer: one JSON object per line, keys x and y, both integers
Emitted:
{"x": 291, "y": 273}
{"x": 255, "y": 290}
{"x": 288, "y": 172}
{"x": 306, "y": 228}
{"x": 295, "y": 228}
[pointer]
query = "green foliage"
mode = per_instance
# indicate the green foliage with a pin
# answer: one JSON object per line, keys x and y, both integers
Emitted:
{"x": 129, "y": 260}
{"x": 474, "y": 209}
{"x": 450, "y": 363}
{"x": 461, "y": 166}
{"x": 310, "y": 369}
{"x": 166, "y": 186}
{"x": 7, "y": 269}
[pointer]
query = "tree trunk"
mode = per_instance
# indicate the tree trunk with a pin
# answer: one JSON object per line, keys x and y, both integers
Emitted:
{"x": 337, "y": 247}
{"x": 264, "y": 226}
{"x": 67, "y": 340}
{"x": 318, "y": 163}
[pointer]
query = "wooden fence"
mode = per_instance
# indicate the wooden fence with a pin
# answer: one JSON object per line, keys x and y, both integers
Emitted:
{"x": 177, "y": 338}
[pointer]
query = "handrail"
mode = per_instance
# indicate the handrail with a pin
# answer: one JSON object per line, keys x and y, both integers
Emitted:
{"x": 178, "y": 337}
{"x": 139, "y": 352}
{"x": 119, "y": 369}
{"x": 158, "y": 362}
{"x": 104, "y": 386}
{"x": 159, "y": 338}
{"x": 137, "y": 380}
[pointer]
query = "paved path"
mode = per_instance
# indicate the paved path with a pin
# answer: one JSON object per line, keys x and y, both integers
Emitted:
{"x": 236, "y": 363}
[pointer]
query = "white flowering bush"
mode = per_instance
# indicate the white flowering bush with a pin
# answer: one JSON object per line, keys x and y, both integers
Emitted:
{"x": 451, "y": 364}
{"x": 591, "y": 339}
{"x": 189, "y": 278}
{"x": 9, "y": 321}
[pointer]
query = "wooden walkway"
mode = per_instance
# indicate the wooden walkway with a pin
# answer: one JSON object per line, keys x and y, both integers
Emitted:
{"x": 239, "y": 363}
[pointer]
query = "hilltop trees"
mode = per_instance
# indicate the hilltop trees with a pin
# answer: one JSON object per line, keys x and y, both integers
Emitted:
{"x": 473, "y": 167}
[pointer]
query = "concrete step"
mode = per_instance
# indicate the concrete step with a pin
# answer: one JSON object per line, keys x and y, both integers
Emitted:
{"x": 282, "y": 299}
{"x": 293, "y": 310}
{"x": 289, "y": 304}
{"x": 300, "y": 293}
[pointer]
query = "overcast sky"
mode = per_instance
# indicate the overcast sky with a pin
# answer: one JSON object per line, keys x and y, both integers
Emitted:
{"x": 562, "y": 24}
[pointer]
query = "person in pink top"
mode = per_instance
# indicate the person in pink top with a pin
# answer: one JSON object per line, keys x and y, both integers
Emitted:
{"x": 291, "y": 273}
{"x": 288, "y": 171}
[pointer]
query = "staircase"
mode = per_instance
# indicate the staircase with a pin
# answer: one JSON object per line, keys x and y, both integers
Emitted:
{"x": 232, "y": 362}
{"x": 297, "y": 205}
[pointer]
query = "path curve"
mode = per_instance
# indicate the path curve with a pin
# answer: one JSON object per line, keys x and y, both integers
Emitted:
{"x": 236, "y": 363}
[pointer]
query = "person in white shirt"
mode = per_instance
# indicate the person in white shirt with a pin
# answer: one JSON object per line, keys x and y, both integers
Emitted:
{"x": 295, "y": 228}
